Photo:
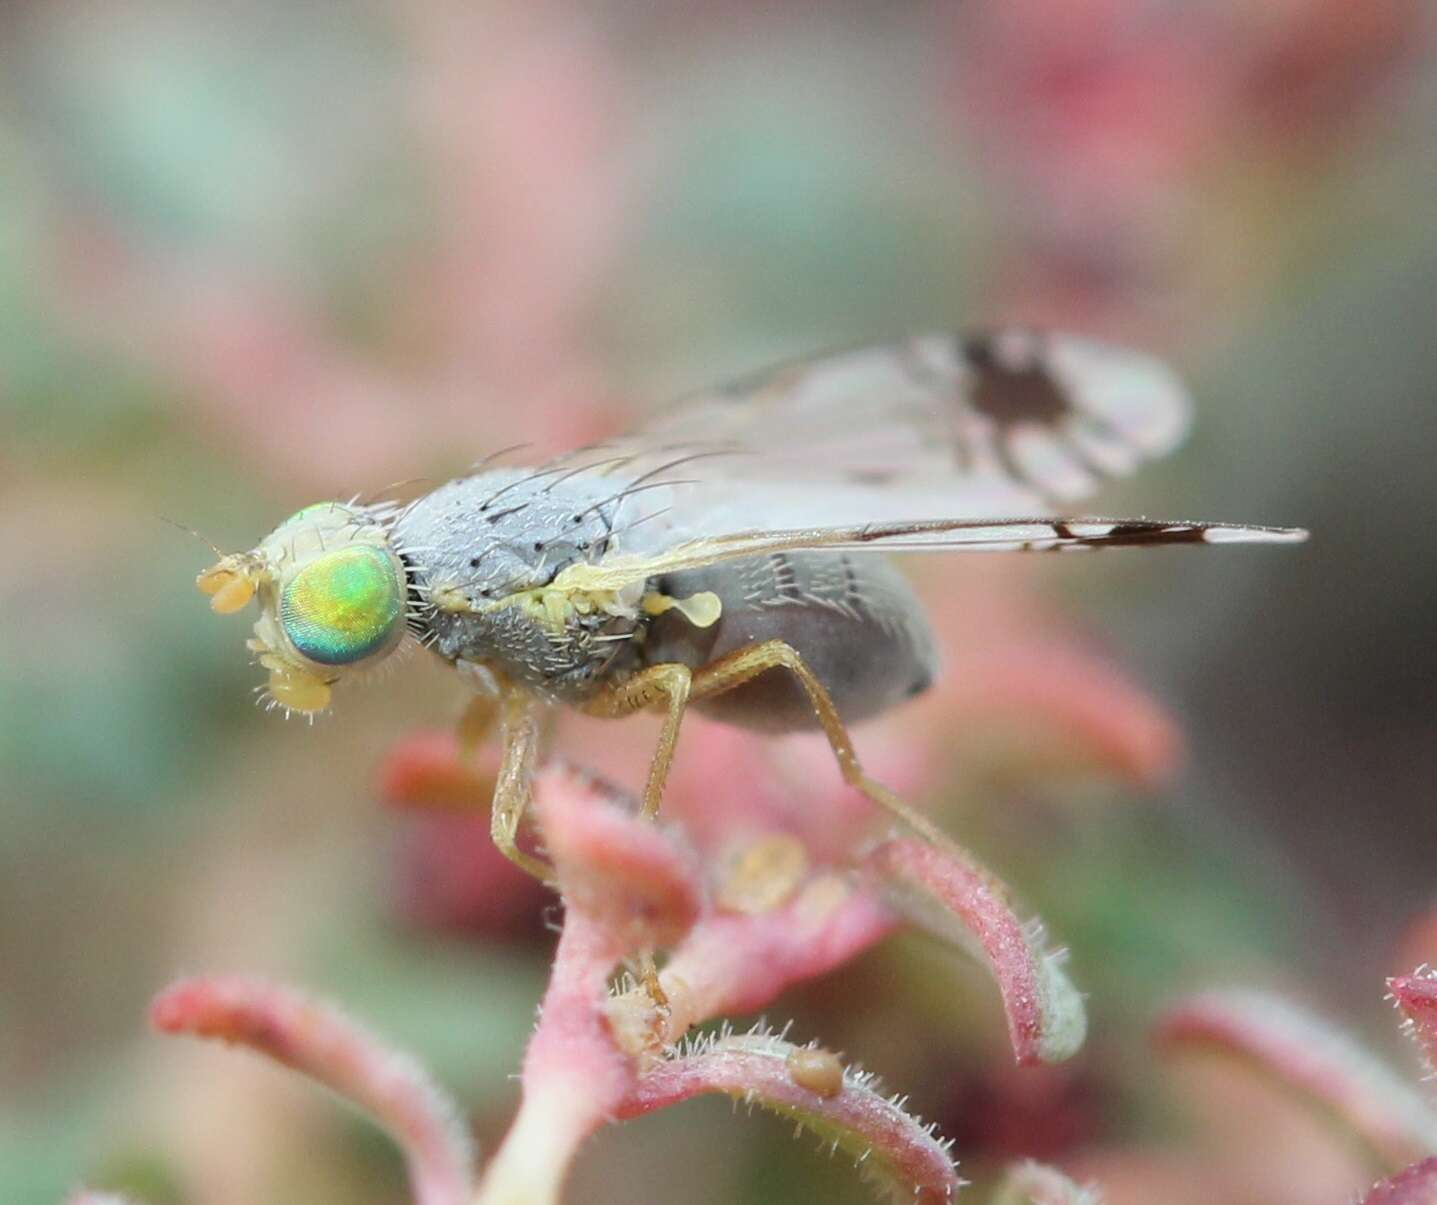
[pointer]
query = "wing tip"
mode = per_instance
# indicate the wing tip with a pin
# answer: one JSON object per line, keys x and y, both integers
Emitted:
{"x": 1138, "y": 391}
{"x": 1243, "y": 534}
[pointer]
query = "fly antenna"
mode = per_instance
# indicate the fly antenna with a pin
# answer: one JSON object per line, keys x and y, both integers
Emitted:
{"x": 191, "y": 531}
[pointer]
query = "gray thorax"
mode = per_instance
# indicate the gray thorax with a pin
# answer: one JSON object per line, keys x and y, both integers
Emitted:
{"x": 488, "y": 537}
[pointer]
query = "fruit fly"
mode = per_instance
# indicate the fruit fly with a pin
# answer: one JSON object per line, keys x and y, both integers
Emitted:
{"x": 729, "y": 554}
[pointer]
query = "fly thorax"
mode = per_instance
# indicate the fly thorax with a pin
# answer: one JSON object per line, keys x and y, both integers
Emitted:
{"x": 485, "y": 556}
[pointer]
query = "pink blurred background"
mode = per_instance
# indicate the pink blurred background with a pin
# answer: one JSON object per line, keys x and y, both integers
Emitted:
{"x": 251, "y": 257}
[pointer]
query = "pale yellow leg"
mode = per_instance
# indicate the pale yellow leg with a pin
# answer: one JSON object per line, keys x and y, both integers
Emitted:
{"x": 732, "y": 671}
{"x": 518, "y": 713}
{"x": 669, "y": 681}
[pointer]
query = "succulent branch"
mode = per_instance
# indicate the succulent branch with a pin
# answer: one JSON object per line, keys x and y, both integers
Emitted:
{"x": 317, "y": 1040}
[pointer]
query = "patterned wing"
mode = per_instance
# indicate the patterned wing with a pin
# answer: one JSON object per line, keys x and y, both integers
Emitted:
{"x": 926, "y": 445}
{"x": 1004, "y": 422}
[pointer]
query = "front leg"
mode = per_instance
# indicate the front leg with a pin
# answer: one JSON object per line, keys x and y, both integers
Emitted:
{"x": 519, "y": 727}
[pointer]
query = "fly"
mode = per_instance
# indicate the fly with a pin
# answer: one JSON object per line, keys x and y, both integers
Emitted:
{"x": 728, "y": 555}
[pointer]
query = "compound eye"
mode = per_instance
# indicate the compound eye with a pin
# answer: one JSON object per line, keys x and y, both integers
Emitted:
{"x": 343, "y": 605}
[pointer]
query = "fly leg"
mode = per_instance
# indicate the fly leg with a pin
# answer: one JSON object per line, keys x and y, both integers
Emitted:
{"x": 519, "y": 725}
{"x": 738, "y": 667}
{"x": 670, "y": 681}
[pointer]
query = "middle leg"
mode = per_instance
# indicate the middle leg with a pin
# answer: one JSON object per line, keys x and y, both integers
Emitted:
{"x": 669, "y": 681}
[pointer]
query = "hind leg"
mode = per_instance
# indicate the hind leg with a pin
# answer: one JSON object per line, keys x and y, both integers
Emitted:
{"x": 742, "y": 665}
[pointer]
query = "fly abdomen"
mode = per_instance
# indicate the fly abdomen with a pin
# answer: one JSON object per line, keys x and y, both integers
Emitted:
{"x": 853, "y": 619}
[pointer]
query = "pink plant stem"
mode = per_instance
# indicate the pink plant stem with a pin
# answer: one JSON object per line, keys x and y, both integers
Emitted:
{"x": 1316, "y": 1062}
{"x": 574, "y": 1077}
{"x": 1415, "y": 1185}
{"x": 316, "y": 1039}
{"x": 1083, "y": 697}
{"x": 1416, "y": 996}
{"x": 1046, "y": 1022}
{"x": 851, "y": 1114}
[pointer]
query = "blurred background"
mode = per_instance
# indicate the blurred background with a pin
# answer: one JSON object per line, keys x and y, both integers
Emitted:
{"x": 256, "y": 255}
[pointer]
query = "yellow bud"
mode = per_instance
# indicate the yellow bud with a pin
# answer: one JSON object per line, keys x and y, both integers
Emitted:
{"x": 819, "y": 1071}
{"x": 763, "y": 876}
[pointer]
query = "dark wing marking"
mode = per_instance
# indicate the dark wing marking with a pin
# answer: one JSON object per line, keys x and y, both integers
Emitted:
{"x": 1007, "y": 418}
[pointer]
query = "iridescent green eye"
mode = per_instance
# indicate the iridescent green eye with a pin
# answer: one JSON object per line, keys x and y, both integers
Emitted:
{"x": 343, "y": 605}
